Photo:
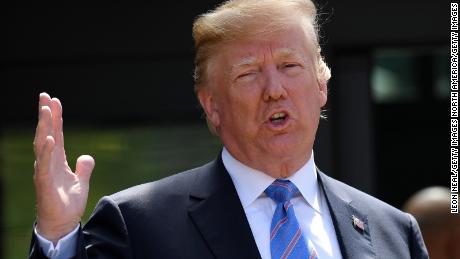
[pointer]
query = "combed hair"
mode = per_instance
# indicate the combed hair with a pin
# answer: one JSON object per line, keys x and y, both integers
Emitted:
{"x": 247, "y": 19}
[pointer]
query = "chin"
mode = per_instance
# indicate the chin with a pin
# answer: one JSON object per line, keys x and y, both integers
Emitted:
{"x": 283, "y": 149}
{"x": 286, "y": 146}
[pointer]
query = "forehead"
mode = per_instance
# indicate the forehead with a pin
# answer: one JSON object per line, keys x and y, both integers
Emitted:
{"x": 290, "y": 43}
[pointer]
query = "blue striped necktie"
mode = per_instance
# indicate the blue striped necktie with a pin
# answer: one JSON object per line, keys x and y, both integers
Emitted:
{"x": 286, "y": 239}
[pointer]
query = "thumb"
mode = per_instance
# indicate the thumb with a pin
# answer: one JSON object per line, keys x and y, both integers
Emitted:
{"x": 84, "y": 167}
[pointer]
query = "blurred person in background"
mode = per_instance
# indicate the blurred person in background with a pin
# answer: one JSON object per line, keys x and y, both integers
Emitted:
{"x": 440, "y": 228}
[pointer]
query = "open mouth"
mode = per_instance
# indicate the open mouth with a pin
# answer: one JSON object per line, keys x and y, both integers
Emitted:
{"x": 278, "y": 118}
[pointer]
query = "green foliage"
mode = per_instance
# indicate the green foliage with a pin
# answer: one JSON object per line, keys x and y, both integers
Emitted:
{"x": 124, "y": 157}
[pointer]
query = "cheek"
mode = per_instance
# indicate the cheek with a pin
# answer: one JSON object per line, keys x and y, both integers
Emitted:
{"x": 308, "y": 87}
{"x": 235, "y": 110}
{"x": 244, "y": 98}
{"x": 242, "y": 114}
{"x": 307, "y": 99}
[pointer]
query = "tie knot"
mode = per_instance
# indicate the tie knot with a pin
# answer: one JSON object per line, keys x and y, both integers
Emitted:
{"x": 281, "y": 191}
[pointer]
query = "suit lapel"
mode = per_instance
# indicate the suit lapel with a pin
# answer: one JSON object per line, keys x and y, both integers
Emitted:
{"x": 217, "y": 213}
{"x": 351, "y": 224}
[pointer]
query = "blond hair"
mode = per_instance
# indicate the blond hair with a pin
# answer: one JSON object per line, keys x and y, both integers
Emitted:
{"x": 240, "y": 19}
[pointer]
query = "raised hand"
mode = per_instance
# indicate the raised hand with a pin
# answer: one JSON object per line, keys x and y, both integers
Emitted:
{"x": 61, "y": 194}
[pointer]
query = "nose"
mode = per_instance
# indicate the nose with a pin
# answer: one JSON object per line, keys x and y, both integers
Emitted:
{"x": 274, "y": 89}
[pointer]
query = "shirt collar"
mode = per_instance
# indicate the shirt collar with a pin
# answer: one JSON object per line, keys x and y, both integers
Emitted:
{"x": 251, "y": 183}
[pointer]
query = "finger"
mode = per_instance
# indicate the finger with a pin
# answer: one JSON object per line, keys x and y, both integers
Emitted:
{"x": 43, "y": 164}
{"x": 84, "y": 167}
{"x": 44, "y": 129}
{"x": 56, "y": 111}
{"x": 43, "y": 100}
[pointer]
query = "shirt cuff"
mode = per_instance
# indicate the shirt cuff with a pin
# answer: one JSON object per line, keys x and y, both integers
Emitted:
{"x": 65, "y": 248}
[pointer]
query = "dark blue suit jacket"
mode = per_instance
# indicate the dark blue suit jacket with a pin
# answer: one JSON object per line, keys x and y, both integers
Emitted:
{"x": 197, "y": 214}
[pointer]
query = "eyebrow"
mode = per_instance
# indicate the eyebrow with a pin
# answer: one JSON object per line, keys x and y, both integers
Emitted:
{"x": 247, "y": 61}
{"x": 283, "y": 52}
{"x": 289, "y": 52}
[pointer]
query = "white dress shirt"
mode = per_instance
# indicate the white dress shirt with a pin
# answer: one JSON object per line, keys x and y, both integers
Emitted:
{"x": 65, "y": 248}
{"x": 310, "y": 208}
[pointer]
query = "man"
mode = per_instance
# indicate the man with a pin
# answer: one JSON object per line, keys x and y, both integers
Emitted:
{"x": 262, "y": 82}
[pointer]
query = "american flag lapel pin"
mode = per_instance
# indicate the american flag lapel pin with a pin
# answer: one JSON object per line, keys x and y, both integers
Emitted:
{"x": 357, "y": 223}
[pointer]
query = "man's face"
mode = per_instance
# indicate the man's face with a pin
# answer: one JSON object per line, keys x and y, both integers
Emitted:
{"x": 264, "y": 97}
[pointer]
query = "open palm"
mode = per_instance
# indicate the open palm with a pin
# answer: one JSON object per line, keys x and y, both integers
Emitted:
{"x": 61, "y": 194}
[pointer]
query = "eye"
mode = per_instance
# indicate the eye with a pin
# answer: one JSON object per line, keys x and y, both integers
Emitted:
{"x": 247, "y": 75}
{"x": 291, "y": 65}
{"x": 291, "y": 68}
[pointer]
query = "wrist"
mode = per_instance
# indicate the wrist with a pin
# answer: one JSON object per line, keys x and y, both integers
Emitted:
{"x": 54, "y": 232}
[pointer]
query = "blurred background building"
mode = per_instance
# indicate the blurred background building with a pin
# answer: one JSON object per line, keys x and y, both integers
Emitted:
{"x": 124, "y": 75}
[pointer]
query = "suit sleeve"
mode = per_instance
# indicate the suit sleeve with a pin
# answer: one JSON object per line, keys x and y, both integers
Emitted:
{"x": 104, "y": 236}
{"x": 417, "y": 246}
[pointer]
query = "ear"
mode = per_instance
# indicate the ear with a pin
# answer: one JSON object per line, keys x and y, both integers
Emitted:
{"x": 322, "y": 93}
{"x": 209, "y": 105}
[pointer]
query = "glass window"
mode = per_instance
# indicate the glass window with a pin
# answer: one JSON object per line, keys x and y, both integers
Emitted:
{"x": 441, "y": 70}
{"x": 393, "y": 76}
{"x": 406, "y": 74}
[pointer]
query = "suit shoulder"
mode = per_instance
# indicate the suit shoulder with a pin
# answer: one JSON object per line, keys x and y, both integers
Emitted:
{"x": 176, "y": 185}
{"x": 395, "y": 232}
{"x": 366, "y": 202}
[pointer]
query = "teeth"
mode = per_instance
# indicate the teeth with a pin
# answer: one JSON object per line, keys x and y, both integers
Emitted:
{"x": 278, "y": 115}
